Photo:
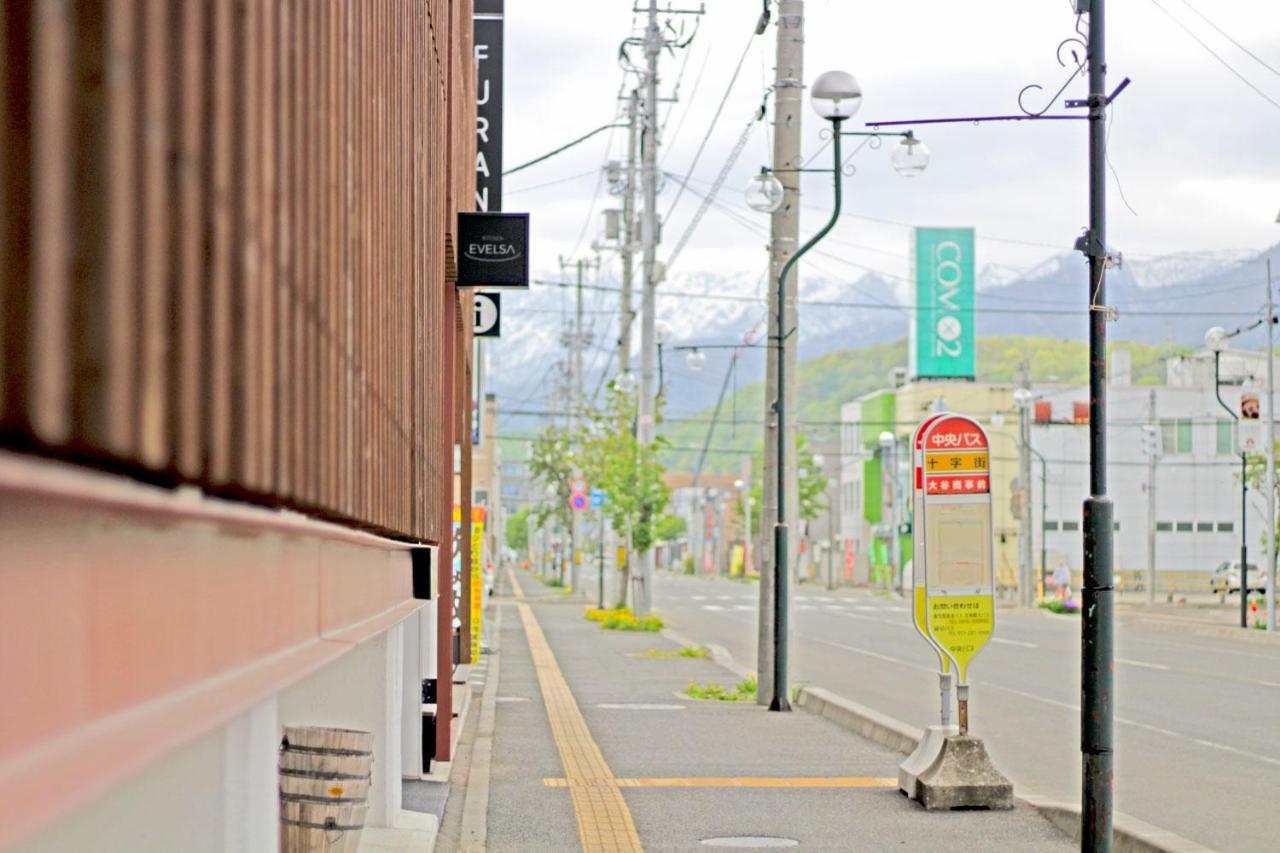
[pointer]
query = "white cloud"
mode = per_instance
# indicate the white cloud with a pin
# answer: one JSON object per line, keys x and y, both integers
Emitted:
{"x": 1193, "y": 146}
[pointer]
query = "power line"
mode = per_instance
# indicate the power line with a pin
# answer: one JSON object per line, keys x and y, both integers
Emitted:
{"x": 1214, "y": 54}
{"x": 714, "y": 119}
{"x": 818, "y": 303}
{"x": 533, "y": 187}
{"x": 1228, "y": 37}
{"x": 564, "y": 147}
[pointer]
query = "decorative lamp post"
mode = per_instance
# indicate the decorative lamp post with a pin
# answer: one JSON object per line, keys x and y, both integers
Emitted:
{"x": 836, "y": 97}
{"x": 1216, "y": 340}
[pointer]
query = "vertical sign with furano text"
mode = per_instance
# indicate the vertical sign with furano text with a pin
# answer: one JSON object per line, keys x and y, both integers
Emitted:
{"x": 488, "y": 54}
{"x": 942, "y": 333}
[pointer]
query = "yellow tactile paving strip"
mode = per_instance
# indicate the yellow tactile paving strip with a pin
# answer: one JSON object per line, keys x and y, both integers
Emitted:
{"x": 745, "y": 782}
{"x": 604, "y": 821}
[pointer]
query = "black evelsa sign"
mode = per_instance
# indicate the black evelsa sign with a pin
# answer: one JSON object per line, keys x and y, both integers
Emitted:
{"x": 493, "y": 250}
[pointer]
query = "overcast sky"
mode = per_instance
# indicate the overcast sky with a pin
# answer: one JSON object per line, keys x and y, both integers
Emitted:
{"x": 1196, "y": 151}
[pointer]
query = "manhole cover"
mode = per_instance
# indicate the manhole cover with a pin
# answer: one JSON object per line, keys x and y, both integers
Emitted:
{"x": 749, "y": 841}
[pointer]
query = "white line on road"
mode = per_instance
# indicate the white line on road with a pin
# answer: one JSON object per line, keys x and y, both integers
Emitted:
{"x": 1141, "y": 663}
{"x": 712, "y": 607}
{"x": 639, "y": 706}
{"x": 1002, "y": 641}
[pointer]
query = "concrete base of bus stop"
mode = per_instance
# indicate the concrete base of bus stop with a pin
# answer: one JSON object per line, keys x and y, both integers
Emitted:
{"x": 1130, "y": 834}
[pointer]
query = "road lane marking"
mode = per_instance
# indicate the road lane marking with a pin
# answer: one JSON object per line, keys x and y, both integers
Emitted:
{"x": 713, "y": 607}
{"x": 1004, "y": 642}
{"x": 639, "y": 706}
{"x": 1141, "y": 663}
{"x": 746, "y": 782}
{"x": 604, "y": 821}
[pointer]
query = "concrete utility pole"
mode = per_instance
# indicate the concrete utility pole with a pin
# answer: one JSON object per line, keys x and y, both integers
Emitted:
{"x": 628, "y": 235}
{"x": 1026, "y": 581}
{"x": 1271, "y": 458}
{"x": 653, "y": 44}
{"x": 784, "y": 234}
{"x": 1153, "y": 453}
{"x": 578, "y": 340}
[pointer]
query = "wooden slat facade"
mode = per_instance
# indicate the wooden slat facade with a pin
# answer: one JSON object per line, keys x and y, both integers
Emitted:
{"x": 223, "y": 258}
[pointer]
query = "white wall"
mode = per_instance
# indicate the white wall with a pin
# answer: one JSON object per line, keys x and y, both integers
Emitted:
{"x": 217, "y": 795}
{"x": 363, "y": 689}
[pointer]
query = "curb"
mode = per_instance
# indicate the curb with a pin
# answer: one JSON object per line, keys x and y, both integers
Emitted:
{"x": 871, "y": 724}
{"x": 1130, "y": 835}
{"x": 718, "y": 654}
{"x": 1248, "y": 635}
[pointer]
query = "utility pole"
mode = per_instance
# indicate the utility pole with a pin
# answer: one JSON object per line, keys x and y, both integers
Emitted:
{"x": 628, "y": 235}
{"x": 1026, "y": 580}
{"x": 1153, "y": 452}
{"x": 784, "y": 234}
{"x": 1271, "y": 459}
{"x": 653, "y": 44}
{"x": 577, "y": 534}
{"x": 1097, "y": 648}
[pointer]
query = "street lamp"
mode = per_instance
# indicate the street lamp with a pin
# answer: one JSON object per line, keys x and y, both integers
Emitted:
{"x": 695, "y": 359}
{"x": 1216, "y": 340}
{"x": 836, "y": 97}
{"x": 911, "y": 157}
{"x": 764, "y": 193}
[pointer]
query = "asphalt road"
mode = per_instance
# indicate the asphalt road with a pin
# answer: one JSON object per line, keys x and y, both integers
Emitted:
{"x": 1197, "y": 728}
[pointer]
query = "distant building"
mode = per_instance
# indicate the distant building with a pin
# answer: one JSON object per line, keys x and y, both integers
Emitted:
{"x": 1196, "y": 488}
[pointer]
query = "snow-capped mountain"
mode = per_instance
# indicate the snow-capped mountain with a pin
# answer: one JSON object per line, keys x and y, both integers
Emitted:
{"x": 1169, "y": 298}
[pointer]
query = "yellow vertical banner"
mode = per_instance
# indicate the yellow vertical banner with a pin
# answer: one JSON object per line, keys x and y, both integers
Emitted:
{"x": 477, "y": 579}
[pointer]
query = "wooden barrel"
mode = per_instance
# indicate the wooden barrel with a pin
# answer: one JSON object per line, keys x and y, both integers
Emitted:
{"x": 324, "y": 789}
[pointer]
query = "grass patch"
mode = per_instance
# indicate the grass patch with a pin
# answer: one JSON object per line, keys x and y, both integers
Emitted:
{"x": 745, "y": 691}
{"x": 669, "y": 654}
{"x": 1057, "y": 605}
{"x": 554, "y": 582}
{"x": 622, "y": 619}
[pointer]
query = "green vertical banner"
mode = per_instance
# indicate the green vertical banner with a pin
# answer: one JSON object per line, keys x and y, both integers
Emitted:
{"x": 942, "y": 334}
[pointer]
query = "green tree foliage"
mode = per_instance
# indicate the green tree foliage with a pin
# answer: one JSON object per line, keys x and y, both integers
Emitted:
{"x": 551, "y": 462}
{"x": 517, "y": 532}
{"x": 828, "y": 381}
{"x": 669, "y": 528}
{"x": 812, "y": 485}
{"x": 630, "y": 473}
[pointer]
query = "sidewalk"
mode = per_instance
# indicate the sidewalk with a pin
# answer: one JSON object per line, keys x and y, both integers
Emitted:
{"x": 594, "y": 748}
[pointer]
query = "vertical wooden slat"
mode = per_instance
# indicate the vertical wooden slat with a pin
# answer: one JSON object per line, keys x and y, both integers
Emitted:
{"x": 246, "y": 372}
{"x": 186, "y": 328}
{"x": 18, "y": 77}
{"x": 93, "y": 310}
{"x": 219, "y": 274}
{"x": 155, "y": 221}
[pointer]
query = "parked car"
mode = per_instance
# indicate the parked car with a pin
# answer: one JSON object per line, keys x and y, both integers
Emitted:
{"x": 1226, "y": 578}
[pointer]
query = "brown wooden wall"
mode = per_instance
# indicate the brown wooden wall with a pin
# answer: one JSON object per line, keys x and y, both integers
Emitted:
{"x": 222, "y": 244}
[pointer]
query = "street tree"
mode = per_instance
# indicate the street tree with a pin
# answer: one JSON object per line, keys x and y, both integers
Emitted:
{"x": 629, "y": 472}
{"x": 551, "y": 462}
{"x": 517, "y": 532}
{"x": 812, "y": 483}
